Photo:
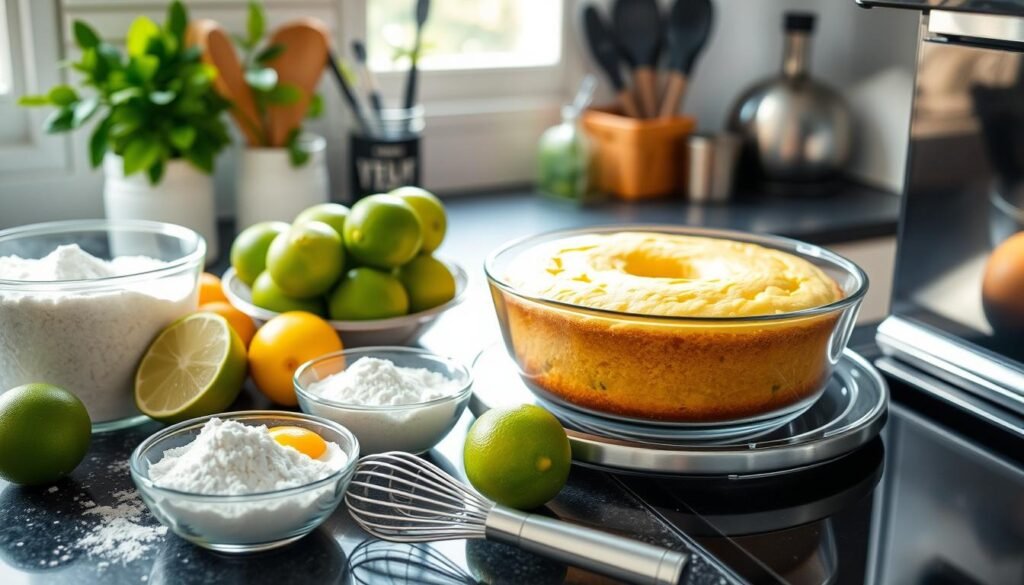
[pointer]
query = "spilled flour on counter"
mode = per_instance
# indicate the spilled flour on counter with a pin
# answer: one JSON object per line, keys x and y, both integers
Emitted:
{"x": 120, "y": 536}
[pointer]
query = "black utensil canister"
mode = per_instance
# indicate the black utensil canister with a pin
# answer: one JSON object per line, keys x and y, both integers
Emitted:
{"x": 386, "y": 155}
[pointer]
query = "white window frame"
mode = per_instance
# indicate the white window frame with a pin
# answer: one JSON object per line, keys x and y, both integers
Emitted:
{"x": 482, "y": 125}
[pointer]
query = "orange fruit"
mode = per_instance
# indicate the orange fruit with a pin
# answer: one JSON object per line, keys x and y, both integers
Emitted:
{"x": 239, "y": 321}
{"x": 282, "y": 345}
{"x": 210, "y": 290}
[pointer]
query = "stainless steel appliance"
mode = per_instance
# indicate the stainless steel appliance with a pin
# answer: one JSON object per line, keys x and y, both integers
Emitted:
{"x": 958, "y": 300}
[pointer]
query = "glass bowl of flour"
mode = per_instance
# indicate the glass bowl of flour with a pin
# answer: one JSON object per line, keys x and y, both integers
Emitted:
{"x": 80, "y": 302}
{"x": 224, "y": 483}
{"x": 392, "y": 398}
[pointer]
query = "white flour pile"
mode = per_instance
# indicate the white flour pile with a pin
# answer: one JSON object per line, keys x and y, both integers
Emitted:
{"x": 89, "y": 342}
{"x": 376, "y": 382}
{"x": 120, "y": 535}
{"x": 411, "y": 426}
{"x": 229, "y": 458}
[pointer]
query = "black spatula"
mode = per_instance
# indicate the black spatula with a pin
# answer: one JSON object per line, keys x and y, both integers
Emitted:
{"x": 638, "y": 28}
{"x": 689, "y": 24}
{"x": 603, "y": 49}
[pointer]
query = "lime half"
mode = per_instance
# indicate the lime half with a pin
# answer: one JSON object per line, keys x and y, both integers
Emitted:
{"x": 195, "y": 367}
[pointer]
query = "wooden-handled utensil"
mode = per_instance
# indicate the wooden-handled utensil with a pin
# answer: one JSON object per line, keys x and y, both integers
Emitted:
{"x": 306, "y": 45}
{"x": 422, "y": 12}
{"x": 219, "y": 52}
{"x": 689, "y": 25}
{"x": 606, "y": 54}
{"x": 637, "y": 25}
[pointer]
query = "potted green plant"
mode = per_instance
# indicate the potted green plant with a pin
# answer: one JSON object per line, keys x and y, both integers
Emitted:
{"x": 157, "y": 124}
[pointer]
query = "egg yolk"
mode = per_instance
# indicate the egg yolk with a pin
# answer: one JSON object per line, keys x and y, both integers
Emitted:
{"x": 302, "y": 440}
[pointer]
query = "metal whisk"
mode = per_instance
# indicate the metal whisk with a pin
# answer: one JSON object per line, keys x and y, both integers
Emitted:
{"x": 402, "y": 498}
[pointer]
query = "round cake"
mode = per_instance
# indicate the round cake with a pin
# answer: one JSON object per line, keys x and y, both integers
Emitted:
{"x": 670, "y": 327}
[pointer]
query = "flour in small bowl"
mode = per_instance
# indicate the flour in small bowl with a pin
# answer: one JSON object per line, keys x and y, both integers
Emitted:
{"x": 379, "y": 382}
{"x": 229, "y": 458}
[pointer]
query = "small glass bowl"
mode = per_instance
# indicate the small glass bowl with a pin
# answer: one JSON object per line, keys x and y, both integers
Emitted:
{"x": 89, "y": 335}
{"x": 250, "y": 522}
{"x": 413, "y": 428}
{"x": 403, "y": 330}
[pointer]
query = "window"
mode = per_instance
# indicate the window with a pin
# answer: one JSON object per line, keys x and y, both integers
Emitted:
{"x": 6, "y": 74}
{"x": 466, "y": 34}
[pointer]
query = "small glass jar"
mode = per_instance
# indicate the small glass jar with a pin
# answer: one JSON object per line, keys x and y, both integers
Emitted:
{"x": 384, "y": 151}
{"x": 565, "y": 160}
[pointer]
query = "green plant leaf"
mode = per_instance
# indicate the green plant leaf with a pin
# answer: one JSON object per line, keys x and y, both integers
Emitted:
{"x": 85, "y": 36}
{"x": 201, "y": 157}
{"x": 177, "y": 21}
{"x": 121, "y": 96}
{"x": 269, "y": 53}
{"x": 296, "y": 153}
{"x": 143, "y": 67}
{"x": 316, "y": 106}
{"x": 98, "y": 143}
{"x": 156, "y": 171}
{"x": 62, "y": 95}
{"x": 59, "y": 120}
{"x": 162, "y": 98}
{"x": 140, "y": 153}
{"x": 31, "y": 101}
{"x": 284, "y": 94}
{"x": 263, "y": 79}
{"x": 182, "y": 137}
{"x": 140, "y": 32}
{"x": 255, "y": 24}
{"x": 84, "y": 110}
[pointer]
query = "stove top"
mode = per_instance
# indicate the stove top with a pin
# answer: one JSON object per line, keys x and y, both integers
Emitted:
{"x": 932, "y": 500}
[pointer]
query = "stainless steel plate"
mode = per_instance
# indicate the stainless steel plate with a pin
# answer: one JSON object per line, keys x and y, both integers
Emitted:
{"x": 850, "y": 413}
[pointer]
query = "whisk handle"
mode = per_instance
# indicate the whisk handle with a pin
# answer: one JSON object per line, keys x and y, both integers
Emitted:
{"x": 600, "y": 552}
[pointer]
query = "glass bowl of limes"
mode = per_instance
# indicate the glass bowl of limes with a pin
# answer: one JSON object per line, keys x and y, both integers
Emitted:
{"x": 372, "y": 270}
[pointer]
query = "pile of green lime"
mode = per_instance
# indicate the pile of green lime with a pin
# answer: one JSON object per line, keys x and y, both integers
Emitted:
{"x": 373, "y": 261}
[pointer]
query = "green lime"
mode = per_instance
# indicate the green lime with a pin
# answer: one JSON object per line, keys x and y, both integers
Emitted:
{"x": 45, "y": 432}
{"x": 267, "y": 295}
{"x": 367, "y": 293}
{"x": 249, "y": 250}
{"x": 194, "y": 367}
{"x": 518, "y": 456}
{"x": 333, "y": 214}
{"x": 428, "y": 282}
{"x": 430, "y": 211}
{"x": 307, "y": 260}
{"x": 383, "y": 231}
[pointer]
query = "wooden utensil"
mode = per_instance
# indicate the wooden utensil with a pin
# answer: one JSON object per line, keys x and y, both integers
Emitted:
{"x": 606, "y": 54}
{"x": 359, "y": 50}
{"x": 422, "y": 11}
{"x": 689, "y": 25}
{"x": 219, "y": 52}
{"x": 306, "y": 45}
{"x": 637, "y": 25}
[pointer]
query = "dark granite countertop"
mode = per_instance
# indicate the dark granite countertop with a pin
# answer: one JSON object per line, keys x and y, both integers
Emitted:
{"x": 42, "y": 527}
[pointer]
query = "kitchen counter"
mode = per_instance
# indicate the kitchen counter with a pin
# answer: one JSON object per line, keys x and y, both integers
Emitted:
{"x": 42, "y": 528}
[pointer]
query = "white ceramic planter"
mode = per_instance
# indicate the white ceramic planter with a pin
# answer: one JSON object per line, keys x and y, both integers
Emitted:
{"x": 184, "y": 196}
{"x": 270, "y": 188}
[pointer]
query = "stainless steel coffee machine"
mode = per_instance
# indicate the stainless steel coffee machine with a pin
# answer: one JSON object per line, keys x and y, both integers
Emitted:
{"x": 958, "y": 299}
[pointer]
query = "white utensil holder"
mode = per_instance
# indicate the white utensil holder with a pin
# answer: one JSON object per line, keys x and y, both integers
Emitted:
{"x": 270, "y": 188}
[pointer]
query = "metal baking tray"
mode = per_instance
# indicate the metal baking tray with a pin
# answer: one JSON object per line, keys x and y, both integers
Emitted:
{"x": 850, "y": 412}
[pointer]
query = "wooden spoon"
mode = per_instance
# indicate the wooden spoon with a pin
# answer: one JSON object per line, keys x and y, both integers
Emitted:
{"x": 688, "y": 28}
{"x": 306, "y": 45}
{"x": 219, "y": 52}
{"x": 637, "y": 25}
